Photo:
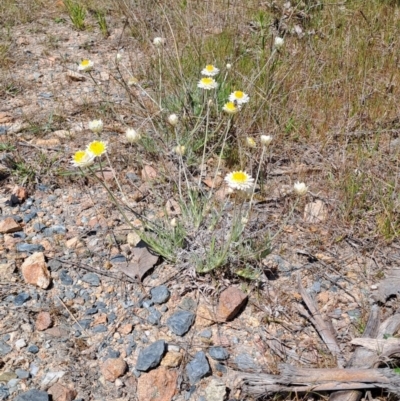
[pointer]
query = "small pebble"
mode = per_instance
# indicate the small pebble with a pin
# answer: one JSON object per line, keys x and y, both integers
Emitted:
{"x": 21, "y": 343}
{"x": 21, "y": 298}
{"x": 160, "y": 294}
{"x": 22, "y": 374}
{"x": 99, "y": 328}
{"x": 33, "y": 349}
{"x": 92, "y": 279}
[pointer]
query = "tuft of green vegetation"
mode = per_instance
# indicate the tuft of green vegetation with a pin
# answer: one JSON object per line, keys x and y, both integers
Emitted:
{"x": 102, "y": 22}
{"x": 77, "y": 13}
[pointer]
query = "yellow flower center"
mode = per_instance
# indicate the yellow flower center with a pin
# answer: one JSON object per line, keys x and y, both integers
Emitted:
{"x": 85, "y": 63}
{"x": 97, "y": 148}
{"x": 79, "y": 156}
{"x": 207, "y": 81}
{"x": 230, "y": 106}
{"x": 239, "y": 94}
{"x": 239, "y": 176}
{"x": 210, "y": 68}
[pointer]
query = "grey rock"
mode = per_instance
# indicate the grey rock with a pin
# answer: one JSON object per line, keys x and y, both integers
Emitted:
{"x": 21, "y": 298}
{"x": 218, "y": 353}
{"x": 180, "y": 322}
{"x": 354, "y": 313}
{"x": 132, "y": 177}
{"x": 154, "y": 317}
{"x": 54, "y": 265}
{"x": 91, "y": 311}
{"x": 101, "y": 328}
{"x": 30, "y": 248}
{"x": 84, "y": 323}
{"x": 92, "y": 279}
{"x": 55, "y": 230}
{"x": 33, "y": 349}
{"x": 160, "y": 294}
{"x": 11, "y": 384}
{"x": 19, "y": 234}
{"x": 29, "y": 216}
{"x": 33, "y": 395}
{"x": 198, "y": 367}
{"x": 188, "y": 304}
{"x": 111, "y": 317}
{"x": 69, "y": 294}
{"x": 150, "y": 357}
{"x": 22, "y": 374}
{"x": 220, "y": 368}
{"x": 207, "y": 333}
{"x": 118, "y": 259}
{"x": 4, "y": 348}
{"x": 316, "y": 287}
{"x": 65, "y": 278}
{"x": 245, "y": 362}
{"x": 39, "y": 227}
{"x": 112, "y": 353}
{"x": 147, "y": 303}
{"x": 164, "y": 309}
{"x": 4, "y": 393}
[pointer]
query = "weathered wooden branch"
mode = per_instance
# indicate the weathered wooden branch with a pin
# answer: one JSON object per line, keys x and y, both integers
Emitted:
{"x": 302, "y": 380}
{"x": 321, "y": 326}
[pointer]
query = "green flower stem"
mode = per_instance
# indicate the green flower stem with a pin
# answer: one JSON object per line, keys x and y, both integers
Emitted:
{"x": 113, "y": 198}
{"x": 228, "y": 127}
{"x": 205, "y": 143}
{"x": 255, "y": 183}
{"x": 160, "y": 74}
{"x": 115, "y": 177}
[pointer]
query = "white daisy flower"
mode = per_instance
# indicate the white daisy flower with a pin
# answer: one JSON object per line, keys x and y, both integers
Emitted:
{"x": 251, "y": 143}
{"x": 96, "y": 126}
{"x": 85, "y": 65}
{"x": 158, "y": 42}
{"x": 207, "y": 83}
{"x": 210, "y": 70}
{"x": 82, "y": 158}
{"x": 266, "y": 139}
{"x": 239, "y": 96}
{"x": 132, "y": 135}
{"x": 230, "y": 108}
{"x": 173, "y": 119}
{"x": 132, "y": 81}
{"x": 300, "y": 188}
{"x": 278, "y": 42}
{"x": 239, "y": 180}
{"x": 97, "y": 148}
{"x": 180, "y": 150}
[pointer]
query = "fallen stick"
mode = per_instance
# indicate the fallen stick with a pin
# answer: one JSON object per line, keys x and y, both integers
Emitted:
{"x": 300, "y": 380}
{"x": 321, "y": 326}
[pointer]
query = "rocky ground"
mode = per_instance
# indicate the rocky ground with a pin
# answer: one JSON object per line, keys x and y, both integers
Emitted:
{"x": 74, "y": 326}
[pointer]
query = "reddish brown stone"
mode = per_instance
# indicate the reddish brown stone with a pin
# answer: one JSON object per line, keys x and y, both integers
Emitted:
{"x": 113, "y": 368}
{"x": 9, "y": 225}
{"x": 35, "y": 271}
{"x": 230, "y": 303}
{"x": 20, "y": 193}
{"x": 148, "y": 173}
{"x": 43, "y": 321}
{"x": 126, "y": 328}
{"x": 61, "y": 393}
{"x": 157, "y": 385}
